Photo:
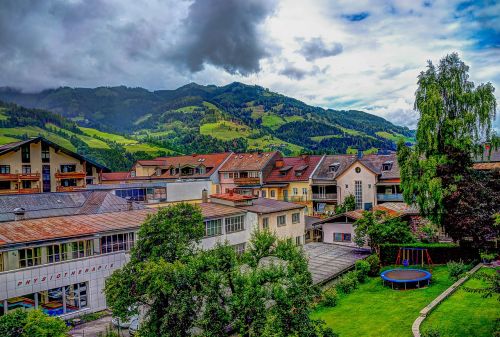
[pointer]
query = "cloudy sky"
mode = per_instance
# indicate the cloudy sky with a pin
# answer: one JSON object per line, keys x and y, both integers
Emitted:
{"x": 339, "y": 54}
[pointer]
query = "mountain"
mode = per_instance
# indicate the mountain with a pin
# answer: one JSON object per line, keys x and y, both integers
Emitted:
{"x": 197, "y": 118}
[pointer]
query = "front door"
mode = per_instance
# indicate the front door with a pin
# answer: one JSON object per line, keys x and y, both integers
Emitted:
{"x": 46, "y": 178}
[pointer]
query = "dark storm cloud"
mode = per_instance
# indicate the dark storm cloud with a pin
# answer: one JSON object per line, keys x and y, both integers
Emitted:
{"x": 225, "y": 33}
{"x": 297, "y": 73}
{"x": 54, "y": 43}
{"x": 316, "y": 48}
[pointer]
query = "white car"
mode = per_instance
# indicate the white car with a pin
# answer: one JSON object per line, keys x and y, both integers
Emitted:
{"x": 125, "y": 324}
{"x": 134, "y": 326}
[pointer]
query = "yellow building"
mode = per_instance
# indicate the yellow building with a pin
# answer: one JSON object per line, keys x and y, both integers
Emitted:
{"x": 289, "y": 180}
{"x": 37, "y": 165}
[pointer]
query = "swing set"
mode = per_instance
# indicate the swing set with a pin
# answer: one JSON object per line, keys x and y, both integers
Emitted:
{"x": 413, "y": 257}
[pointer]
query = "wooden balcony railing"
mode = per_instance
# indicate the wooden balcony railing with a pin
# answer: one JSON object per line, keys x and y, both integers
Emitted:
{"x": 324, "y": 196}
{"x": 69, "y": 188}
{"x": 247, "y": 181}
{"x": 70, "y": 175}
{"x": 21, "y": 191}
{"x": 19, "y": 176}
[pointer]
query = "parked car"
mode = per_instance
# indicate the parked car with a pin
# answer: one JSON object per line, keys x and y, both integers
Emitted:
{"x": 134, "y": 326}
{"x": 125, "y": 324}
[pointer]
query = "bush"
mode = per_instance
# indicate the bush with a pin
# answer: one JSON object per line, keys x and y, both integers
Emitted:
{"x": 347, "y": 283}
{"x": 431, "y": 333}
{"x": 374, "y": 263}
{"x": 362, "y": 269}
{"x": 440, "y": 253}
{"x": 330, "y": 297}
{"x": 456, "y": 269}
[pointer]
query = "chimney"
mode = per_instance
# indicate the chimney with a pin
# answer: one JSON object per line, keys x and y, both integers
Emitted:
{"x": 360, "y": 154}
{"x": 204, "y": 195}
{"x": 19, "y": 213}
{"x": 279, "y": 163}
{"x": 130, "y": 203}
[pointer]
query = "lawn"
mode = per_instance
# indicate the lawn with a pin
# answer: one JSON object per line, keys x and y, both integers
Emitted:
{"x": 90, "y": 141}
{"x": 8, "y": 134}
{"x": 375, "y": 310}
{"x": 465, "y": 314}
{"x": 274, "y": 121}
{"x": 225, "y": 130}
{"x": 394, "y": 137}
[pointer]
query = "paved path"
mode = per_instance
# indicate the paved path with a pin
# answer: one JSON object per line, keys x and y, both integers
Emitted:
{"x": 92, "y": 329}
{"x": 328, "y": 260}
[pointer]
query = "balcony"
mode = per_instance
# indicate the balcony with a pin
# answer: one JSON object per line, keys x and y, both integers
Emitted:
{"x": 69, "y": 188}
{"x": 297, "y": 198}
{"x": 29, "y": 176}
{"x": 21, "y": 191}
{"x": 325, "y": 196}
{"x": 247, "y": 181}
{"x": 9, "y": 177}
{"x": 70, "y": 175}
{"x": 389, "y": 197}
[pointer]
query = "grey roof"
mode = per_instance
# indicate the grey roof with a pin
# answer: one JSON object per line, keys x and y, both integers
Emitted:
{"x": 374, "y": 162}
{"x": 43, "y": 205}
{"x": 264, "y": 205}
{"x": 323, "y": 171}
{"x": 311, "y": 221}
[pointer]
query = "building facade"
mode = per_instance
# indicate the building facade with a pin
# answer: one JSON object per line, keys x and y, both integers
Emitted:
{"x": 38, "y": 165}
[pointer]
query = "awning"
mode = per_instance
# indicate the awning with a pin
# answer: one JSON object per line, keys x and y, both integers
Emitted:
{"x": 274, "y": 185}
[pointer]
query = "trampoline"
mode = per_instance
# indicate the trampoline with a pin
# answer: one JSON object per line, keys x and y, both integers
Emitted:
{"x": 406, "y": 278}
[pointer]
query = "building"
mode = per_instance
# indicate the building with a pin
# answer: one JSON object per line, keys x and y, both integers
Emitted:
{"x": 289, "y": 180}
{"x": 371, "y": 179}
{"x": 339, "y": 228}
{"x": 490, "y": 160}
{"x": 167, "y": 179}
{"x": 38, "y": 165}
{"x": 57, "y": 250}
{"x": 244, "y": 173}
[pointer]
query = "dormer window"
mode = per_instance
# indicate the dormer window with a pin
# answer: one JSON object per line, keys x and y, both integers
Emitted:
{"x": 334, "y": 167}
{"x": 172, "y": 171}
{"x": 158, "y": 171}
{"x": 387, "y": 166}
{"x": 132, "y": 173}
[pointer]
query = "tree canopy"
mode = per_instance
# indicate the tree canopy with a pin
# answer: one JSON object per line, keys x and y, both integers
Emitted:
{"x": 183, "y": 290}
{"x": 21, "y": 323}
{"x": 455, "y": 121}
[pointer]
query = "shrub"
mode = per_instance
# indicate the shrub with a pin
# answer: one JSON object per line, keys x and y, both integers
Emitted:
{"x": 362, "y": 269}
{"x": 347, "y": 283}
{"x": 374, "y": 262}
{"x": 330, "y": 297}
{"x": 456, "y": 269}
{"x": 431, "y": 333}
{"x": 487, "y": 258}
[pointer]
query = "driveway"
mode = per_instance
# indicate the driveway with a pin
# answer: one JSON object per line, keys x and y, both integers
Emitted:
{"x": 95, "y": 328}
{"x": 328, "y": 260}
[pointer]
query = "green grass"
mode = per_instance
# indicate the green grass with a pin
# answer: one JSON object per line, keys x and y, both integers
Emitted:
{"x": 465, "y": 314}
{"x": 374, "y": 310}
{"x": 257, "y": 111}
{"x": 320, "y": 138}
{"x": 274, "y": 121}
{"x": 394, "y": 137}
{"x": 350, "y": 131}
{"x": 225, "y": 130}
{"x": 267, "y": 143}
{"x": 3, "y": 116}
{"x": 187, "y": 108}
{"x": 371, "y": 150}
{"x": 108, "y": 136}
{"x": 90, "y": 141}
{"x": 142, "y": 119}
{"x": 7, "y": 134}
{"x": 5, "y": 140}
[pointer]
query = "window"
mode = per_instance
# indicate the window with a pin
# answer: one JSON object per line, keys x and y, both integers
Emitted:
{"x": 295, "y": 217}
{"x": 295, "y": 191}
{"x": 68, "y": 182}
{"x": 281, "y": 220}
{"x": 45, "y": 153}
{"x": 239, "y": 248}
{"x": 234, "y": 224}
{"x": 334, "y": 167}
{"x": 265, "y": 223}
{"x": 115, "y": 243}
{"x": 387, "y": 166}
{"x": 342, "y": 237}
{"x": 4, "y": 169}
{"x": 357, "y": 169}
{"x": 304, "y": 191}
{"x": 26, "y": 169}
{"x": 68, "y": 168}
{"x": 56, "y": 253}
{"x": 273, "y": 193}
{"x": 358, "y": 194}
{"x": 25, "y": 153}
{"x": 136, "y": 194}
{"x": 264, "y": 194}
{"x": 29, "y": 257}
{"x": 26, "y": 184}
{"x": 298, "y": 240}
{"x": 253, "y": 174}
{"x": 213, "y": 227}
{"x": 77, "y": 249}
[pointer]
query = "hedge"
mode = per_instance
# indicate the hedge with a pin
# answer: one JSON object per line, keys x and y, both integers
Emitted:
{"x": 440, "y": 253}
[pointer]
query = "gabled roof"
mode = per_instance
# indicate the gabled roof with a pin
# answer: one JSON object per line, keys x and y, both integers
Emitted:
{"x": 303, "y": 164}
{"x": 254, "y": 161}
{"x": 212, "y": 161}
{"x": 375, "y": 162}
{"x": 16, "y": 145}
{"x": 323, "y": 171}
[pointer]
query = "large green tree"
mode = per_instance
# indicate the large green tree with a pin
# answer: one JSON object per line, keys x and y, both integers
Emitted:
{"x": 32, "y": 323}
{"x": 436, "y": 174}
{"x": 183, "y": 290}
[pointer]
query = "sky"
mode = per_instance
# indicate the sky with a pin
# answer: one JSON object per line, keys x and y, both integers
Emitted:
{"x": 363, "y": 55}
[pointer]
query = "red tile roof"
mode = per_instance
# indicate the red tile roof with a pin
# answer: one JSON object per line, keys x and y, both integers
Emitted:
{"x": 255, "y": 161}
{"x": 151, "y": 162}
{"x": 292, "y": 165}
{"x": 115, "y": 176}
{"x": 232, "y": 196}
{"x": 212, "y": 160}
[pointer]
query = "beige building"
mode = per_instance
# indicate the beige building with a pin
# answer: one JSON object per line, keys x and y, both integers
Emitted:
{"x": 38, "y": 165}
